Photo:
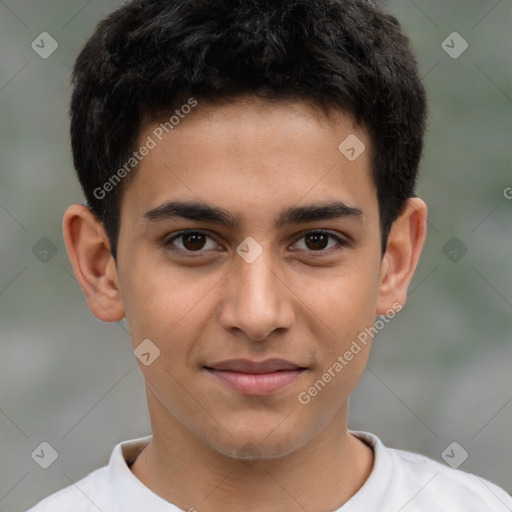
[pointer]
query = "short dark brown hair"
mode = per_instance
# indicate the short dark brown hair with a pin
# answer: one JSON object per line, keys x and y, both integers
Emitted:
{"x": 149, "y": 57}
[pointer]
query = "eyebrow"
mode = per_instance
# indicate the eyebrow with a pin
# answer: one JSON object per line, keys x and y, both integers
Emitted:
{"x": 199, "y": 211}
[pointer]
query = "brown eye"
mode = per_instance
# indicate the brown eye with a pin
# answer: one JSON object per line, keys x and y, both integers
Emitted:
{"x": 318, "y": 241}
{"x": 191, "y": 241}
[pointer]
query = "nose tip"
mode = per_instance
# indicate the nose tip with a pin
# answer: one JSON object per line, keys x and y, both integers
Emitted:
{"x": 256, "y": 301}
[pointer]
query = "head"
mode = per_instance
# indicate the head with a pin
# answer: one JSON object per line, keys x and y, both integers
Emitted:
{"x": 265, "y": 121}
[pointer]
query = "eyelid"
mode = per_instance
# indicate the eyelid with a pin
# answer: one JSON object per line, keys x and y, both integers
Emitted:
{"x": 176, "y": 250}
{"x": 343, "y": 242}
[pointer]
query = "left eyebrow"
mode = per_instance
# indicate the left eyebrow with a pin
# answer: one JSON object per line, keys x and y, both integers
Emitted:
{"x": 203, "y": 212}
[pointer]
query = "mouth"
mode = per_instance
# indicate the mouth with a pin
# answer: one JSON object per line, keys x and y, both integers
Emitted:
{"x": 256, "y": 378}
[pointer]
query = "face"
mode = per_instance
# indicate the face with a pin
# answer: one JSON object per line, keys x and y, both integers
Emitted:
{"x": 258, "y": 277}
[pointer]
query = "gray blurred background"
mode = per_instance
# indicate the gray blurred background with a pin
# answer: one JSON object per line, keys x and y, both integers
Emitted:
{"x": 439, "y": 372}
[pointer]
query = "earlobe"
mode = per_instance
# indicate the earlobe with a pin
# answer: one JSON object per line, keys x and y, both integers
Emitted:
{"x": 400, "y": 260}
{"x": 89, "y": 252}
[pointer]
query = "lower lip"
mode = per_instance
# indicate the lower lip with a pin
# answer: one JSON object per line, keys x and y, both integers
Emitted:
{"x": 256, "y": 383}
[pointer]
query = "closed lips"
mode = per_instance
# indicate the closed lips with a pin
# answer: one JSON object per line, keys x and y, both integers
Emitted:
{"x": 252, "y": 367}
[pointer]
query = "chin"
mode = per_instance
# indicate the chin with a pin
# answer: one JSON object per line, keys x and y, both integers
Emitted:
{"x": 258, "y": 443}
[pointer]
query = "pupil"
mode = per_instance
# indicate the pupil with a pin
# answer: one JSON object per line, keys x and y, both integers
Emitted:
{"x": 196, "y": 242}
{"x": 319, "y": 240}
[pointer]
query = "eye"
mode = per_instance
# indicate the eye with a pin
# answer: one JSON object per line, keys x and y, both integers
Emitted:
{"x": 191, "y": 241}
{"x": 317, "y": 241}
{"x": 194, "y": 241}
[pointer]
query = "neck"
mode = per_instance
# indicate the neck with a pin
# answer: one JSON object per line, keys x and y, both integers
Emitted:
{"x": 323, "y": 474}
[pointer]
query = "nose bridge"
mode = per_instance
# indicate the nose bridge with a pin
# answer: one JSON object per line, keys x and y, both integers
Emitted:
{"x": 258, "y": 277}
{"x": 256, "y": 300}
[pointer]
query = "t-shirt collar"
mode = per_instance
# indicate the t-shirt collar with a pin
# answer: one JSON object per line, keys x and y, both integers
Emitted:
{"x": 133, "y": 496}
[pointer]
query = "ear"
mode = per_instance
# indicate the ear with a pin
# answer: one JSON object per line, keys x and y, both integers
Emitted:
{"x": 89, "y": 252}
{"x": 405, "y": 242}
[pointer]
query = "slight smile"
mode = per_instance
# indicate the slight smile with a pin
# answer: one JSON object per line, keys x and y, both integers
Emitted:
{"x": 256, "y": 378}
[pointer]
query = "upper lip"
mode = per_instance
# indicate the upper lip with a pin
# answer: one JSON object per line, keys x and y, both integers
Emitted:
{"x": 248, "y": 366}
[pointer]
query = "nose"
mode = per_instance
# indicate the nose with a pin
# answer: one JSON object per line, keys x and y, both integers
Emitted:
{"x": 255, "y": 298}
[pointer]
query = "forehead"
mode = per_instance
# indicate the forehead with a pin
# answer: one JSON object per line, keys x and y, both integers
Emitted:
{"x": 253, "y": 156}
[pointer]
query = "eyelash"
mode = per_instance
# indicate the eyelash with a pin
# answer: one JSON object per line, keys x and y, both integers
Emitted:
{"x": 191, "y": 254}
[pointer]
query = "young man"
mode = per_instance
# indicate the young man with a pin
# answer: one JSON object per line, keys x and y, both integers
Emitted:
{"x": 249, "y": 169}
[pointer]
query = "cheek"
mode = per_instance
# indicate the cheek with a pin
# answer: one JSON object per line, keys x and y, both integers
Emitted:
{"x": 346, "y": 307}
{"x": 346, "y": 302}
{"x": 153, "y": 302}
{"x": 166, "y": 305}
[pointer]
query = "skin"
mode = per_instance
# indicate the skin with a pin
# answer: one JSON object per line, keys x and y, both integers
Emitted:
{"x": 297, "y": 301}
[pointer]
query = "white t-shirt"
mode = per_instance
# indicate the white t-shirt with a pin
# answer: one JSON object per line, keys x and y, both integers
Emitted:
{"x": 400, "y": 481}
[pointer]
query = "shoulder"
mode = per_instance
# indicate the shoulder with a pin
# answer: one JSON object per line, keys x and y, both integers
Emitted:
{"x": 417, "y": 483}
{"x": 85, "y": 495}
{"x": 112, "y": 488}
{"x": 449, "y": 488}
